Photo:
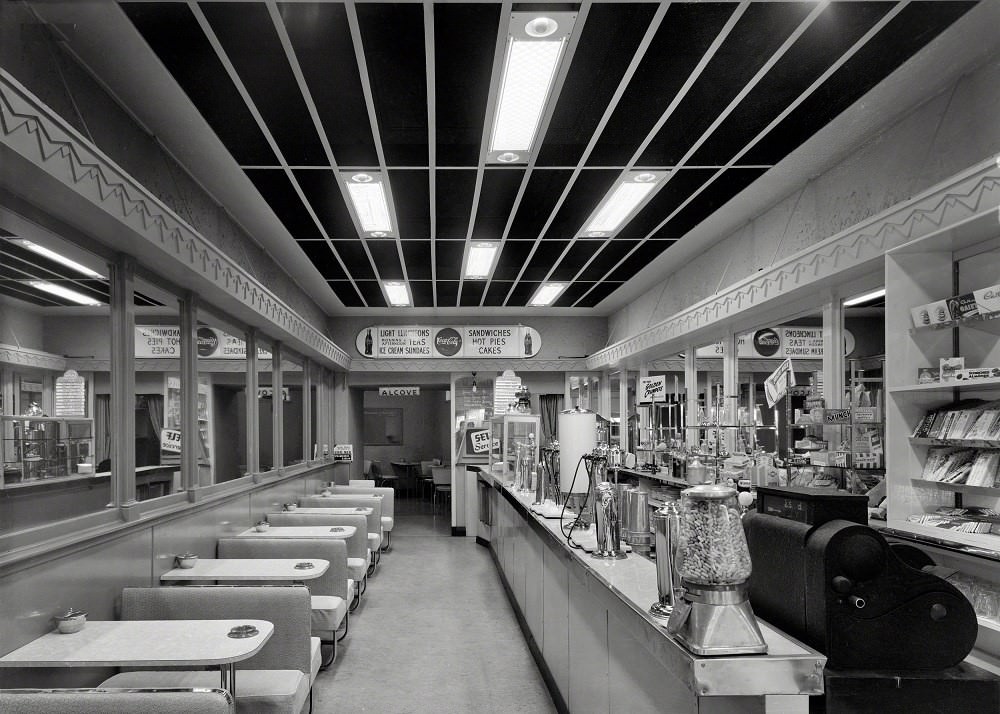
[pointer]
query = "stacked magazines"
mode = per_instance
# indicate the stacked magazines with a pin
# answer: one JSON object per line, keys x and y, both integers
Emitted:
{"x": 970, "y": 421}
{"x": 962, "y": 520}
{"x": 958, "y": 465}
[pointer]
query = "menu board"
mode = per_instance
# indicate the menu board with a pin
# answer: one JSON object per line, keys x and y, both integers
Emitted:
{"x": 779, "y": 343}
{"x": 71, "y": 395}
{"x": 439, "y": 341}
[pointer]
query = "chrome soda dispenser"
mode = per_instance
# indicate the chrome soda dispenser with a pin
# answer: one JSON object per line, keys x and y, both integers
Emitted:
{"x": 666, "y": 522}
{"x": 606, "y": 516}
{"x": 712, "y": 614}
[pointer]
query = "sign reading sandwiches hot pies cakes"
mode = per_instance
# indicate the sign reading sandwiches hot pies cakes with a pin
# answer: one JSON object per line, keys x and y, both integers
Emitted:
{"x": 443, "y": 341}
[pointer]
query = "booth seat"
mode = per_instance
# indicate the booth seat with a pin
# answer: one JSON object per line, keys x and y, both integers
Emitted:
{"x": 388, "y": 506}
{"x": 202, "y": 700}
{"x": 357, "y": 545}
{"x": 329, "y": 594}
{"x": 355, "y": 501}
{"x": 273, "y": 681}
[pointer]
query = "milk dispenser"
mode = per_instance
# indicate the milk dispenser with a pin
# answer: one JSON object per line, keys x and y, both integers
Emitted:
{"x": 712, "y": 615}
{"x": 577, "y": 437}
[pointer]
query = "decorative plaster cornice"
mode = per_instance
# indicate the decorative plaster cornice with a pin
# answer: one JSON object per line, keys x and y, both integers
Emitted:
{"x": 9, "y": 354}
{"x": 969, "y": 194}
{"x": 468, "y": 365}
{"x": 33, "y": 131}
{"x": 708, "y": 364}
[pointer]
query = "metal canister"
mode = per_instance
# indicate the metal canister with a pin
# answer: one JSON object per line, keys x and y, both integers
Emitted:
{"x": 638, "y": 534}
{"x": 665, "y": 525}
{"x": 609, "y": 532}
{"x": 623, "y": 498}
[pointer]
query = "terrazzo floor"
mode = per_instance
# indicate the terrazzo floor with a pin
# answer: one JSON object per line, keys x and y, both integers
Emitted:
{"x": 434, "y": 633}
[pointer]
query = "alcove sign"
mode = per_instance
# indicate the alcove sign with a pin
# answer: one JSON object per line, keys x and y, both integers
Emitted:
{"x": 439, "y": 341}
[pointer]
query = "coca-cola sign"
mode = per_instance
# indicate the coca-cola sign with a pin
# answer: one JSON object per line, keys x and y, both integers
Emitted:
{"x": 448, "y": 342}
{"x": 766, "y": 342}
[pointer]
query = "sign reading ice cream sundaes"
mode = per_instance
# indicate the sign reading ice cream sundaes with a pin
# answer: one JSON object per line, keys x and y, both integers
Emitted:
{"x": 459, "y": 341}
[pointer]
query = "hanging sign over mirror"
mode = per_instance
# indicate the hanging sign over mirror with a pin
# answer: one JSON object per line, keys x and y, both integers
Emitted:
{"x": 399, "y": 391}
{"x": 437, "y": 341}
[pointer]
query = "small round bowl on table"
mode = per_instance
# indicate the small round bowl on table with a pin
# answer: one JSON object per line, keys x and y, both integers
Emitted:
{"x": 70, "y": 622}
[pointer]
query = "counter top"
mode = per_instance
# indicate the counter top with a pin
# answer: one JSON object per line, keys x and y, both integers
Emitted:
{"x": 789, "y": 667}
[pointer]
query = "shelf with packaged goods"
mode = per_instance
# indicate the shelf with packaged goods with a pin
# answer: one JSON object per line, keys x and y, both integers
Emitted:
{"x": 971, "y": 443}
{"x": 957, "y": 487}
{"x": 971, "y": 385}
{"x": 988, "y": 322}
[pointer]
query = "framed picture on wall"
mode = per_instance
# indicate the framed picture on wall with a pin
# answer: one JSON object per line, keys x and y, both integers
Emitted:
{"x": 383, "y": 427}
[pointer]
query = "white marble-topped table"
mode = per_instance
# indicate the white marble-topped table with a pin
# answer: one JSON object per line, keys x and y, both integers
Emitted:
{"x": 300, "y": 532}
{"x": 145, "y": 643}
{"x": 334, "y": 510}
{"x": 253, "y": 569}
{"x": 349, "y": 496}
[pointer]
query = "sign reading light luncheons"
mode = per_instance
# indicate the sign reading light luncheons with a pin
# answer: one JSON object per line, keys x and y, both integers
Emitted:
{"x": 438, "y": 341}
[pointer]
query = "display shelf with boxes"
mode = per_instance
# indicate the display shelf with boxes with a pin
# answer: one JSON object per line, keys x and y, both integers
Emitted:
{"x": 942, "y": 405}
{"x": 37, "y": 449}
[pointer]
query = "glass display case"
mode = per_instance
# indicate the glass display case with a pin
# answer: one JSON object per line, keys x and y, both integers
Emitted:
{"x": 508, "y": 432}
{"x": 35, "y": 448}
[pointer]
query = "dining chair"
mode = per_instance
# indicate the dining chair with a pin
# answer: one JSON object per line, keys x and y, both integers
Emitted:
{"x": 172, "y": 700}
{"x": 388, "y": 506}
{"x": 357, "y": 544}
{"x": 425, "y": 477}
{"x": 276, "y": 679}
{"x": 381, "y": 478}
{"x": 404, "y": 477}
{"x": 329, "y": 593}
{"x": 442, "y": 482}
{"x": 367, "y": 463}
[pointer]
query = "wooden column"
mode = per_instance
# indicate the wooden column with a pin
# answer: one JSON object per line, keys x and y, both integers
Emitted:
{"x": 307, "y": 441}
{"x": 253, "y": 405}
{"x": 122, "y": 279}
{"x": 190, "y": 436}
{"x": 277, "y": 407}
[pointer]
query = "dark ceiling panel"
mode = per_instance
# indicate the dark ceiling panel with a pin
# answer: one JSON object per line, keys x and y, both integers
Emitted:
{"x": 346, "y": 293}
{"x": 823, "y": 43}
{"x": 385, "y": 254}
{"x": 322, "y": 42}
{"x": 323, "y": 193}
{"x": 572, "y": 293}
{"x": 464, "y": 38}
{"x": 322, "y": 257}
{"x": 639, "y": 259}
{"x": 607, "y": 259}
{"x": 174, "y": 35}
{"x": 709, "y": 201}
{"x": 685, "y": 34}
{"x": 371, "y": 291}
{"x": 472, "y": 293}
{"x": 352, "y": 252}
{"x": 915, "y": 26}
{"x": 422, "y": 293}
{"x": 500, "y": 187}
{"x": 680, "y": 184}
{"x": 511, "y": 259}
{"x": 544, "y": 189}
{"x": 755, "y": 38}
{"x": 588, "y": 190}
{"x": 281, "y": 196}
{"x": 417, "y": 254}
{"x": 454, "y": 191}
{"x": 412, "y": 197}
{"x": 251, "y": 42}
{"x": 393, "y": 39}
{"x": 447, "y": 293}
{"x": 522, "y": 294}
{"x": 448, "y": 259}
{"x": 607, "y": 44}
{"x": 579, "y": 253}
{"x": 497, "y": 293}
{"x": 545, "y": 257}
{"x": 600, "y": 291}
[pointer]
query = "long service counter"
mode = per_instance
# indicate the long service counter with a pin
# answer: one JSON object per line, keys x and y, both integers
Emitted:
{"x": 600, "y": 651}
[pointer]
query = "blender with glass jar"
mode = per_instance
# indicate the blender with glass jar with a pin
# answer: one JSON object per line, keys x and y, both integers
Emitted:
{"x": 712, "y": 614}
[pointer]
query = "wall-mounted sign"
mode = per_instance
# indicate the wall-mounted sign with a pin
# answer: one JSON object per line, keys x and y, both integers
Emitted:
{"x": 652, "y": 389}
{"x": 778, "y": 382}
{"x": 480, "y": 441}
{"x": 170, "y": 440}
{"x": 399, "y": 391}
{"x": 779, "y": 343}
{"x": 436, "y": 341}
{"x": 71, "y": 395}
{"x": 268, "y": 393}
{"x": 165, "y": 341}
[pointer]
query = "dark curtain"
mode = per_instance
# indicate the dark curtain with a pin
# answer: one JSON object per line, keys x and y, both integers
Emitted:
{"x": 154, "y": 407}
{"x": 549, "y": 405}
{"x": 102, "y": 428}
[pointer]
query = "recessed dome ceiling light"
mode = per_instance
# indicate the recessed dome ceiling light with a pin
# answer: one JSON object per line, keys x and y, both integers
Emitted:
{"x": 645, "y": 178}
{"x": 508, "y": 157}
{"x": 541, "y": 27}
{"x": 378, "y": 234}
{"x": 597, "y": 234}
{"x": 361, "y": 178}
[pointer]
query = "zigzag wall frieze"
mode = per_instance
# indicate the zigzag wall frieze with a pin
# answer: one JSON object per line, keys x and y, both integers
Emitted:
{"x": 966, "y": 195}
{"x": 32, "y": 130}
{"x": 11, "y": 354}
{"x": 468, "y": 365}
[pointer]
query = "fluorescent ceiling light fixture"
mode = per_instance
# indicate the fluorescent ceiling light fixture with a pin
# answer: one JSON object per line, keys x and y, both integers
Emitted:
{"x": 397, "y": 292}
{"x": 547, "y": 294}
{"x": 867, "y": 297}
{"x": 531, "y": 61}
{"x": 57, "y": 257}
{"x": 371, "y": 205}
{"x": 623, "y": 202}
{"x": 479, "y": 261}
{"x": 65, "y": 293}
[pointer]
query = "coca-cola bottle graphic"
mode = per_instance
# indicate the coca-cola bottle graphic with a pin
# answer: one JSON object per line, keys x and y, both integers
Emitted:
{"x": 368, "y": 343}
{"x": 527, "y": 343}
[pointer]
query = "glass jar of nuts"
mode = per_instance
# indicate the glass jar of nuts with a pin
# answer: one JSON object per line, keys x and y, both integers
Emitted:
{"x": 712, "y": 548}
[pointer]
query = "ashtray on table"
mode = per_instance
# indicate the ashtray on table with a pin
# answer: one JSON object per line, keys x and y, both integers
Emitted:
{"x": 305, "y": 565}
{"x": 336, "y": 529}
{"x": 241, "y": 632}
